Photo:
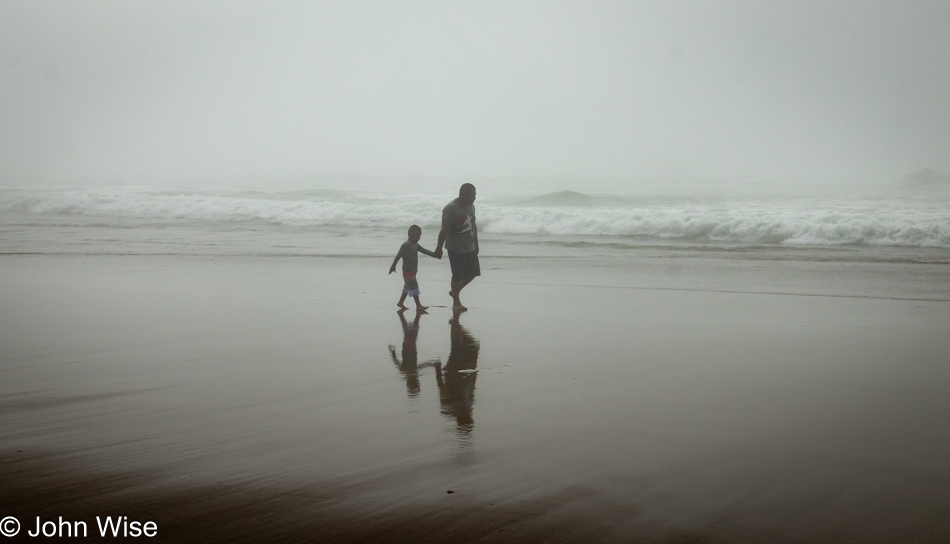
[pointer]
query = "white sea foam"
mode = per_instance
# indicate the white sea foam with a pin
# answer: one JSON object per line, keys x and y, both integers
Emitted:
{"x": 885, "y": 222}
{"x": 918, "y": 224}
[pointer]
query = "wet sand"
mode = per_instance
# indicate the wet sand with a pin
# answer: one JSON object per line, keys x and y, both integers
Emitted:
{"x": 284, "y": 399}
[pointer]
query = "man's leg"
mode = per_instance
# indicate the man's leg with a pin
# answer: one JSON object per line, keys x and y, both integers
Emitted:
{"x": 457, "y": 287}
{"x": 464, "y": 266}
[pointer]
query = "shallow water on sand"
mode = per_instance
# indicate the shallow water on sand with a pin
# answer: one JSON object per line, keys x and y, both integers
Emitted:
{"x": 805, "y": 396}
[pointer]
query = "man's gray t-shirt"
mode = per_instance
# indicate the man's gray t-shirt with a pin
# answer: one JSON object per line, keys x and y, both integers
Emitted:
{"x": 409, "y": 253}
{"x": 461, "y": 234}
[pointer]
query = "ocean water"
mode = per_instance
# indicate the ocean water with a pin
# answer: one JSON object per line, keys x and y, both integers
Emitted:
{"x": 143, "y": 220}
{"x": 777, "y": 363}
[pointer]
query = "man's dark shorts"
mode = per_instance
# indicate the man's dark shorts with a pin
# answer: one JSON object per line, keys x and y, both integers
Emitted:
{"x": 464, "y": 265}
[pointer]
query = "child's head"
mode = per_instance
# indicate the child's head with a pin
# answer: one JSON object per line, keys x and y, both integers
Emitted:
{"x": 415, "y": 232}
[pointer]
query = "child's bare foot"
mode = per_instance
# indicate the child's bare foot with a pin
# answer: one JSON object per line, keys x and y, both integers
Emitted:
{"x": 421, "y": 308}
{"x": 403, "y": 306}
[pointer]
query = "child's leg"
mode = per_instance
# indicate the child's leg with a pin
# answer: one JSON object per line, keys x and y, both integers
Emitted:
{"x": 419, "y": 305}
{"x": 403, "y": 299}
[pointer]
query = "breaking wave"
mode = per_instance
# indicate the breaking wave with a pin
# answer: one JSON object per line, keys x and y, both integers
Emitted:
{"x": 886, "y": 222}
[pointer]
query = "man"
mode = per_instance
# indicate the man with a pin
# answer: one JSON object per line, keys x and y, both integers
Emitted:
{"x": 460, "y": 238}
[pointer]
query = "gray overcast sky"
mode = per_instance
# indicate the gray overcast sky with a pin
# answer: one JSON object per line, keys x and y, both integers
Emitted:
{"x": 186, "y": 92}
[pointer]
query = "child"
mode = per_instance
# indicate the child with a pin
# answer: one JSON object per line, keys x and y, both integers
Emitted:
{"x": 409, "y": 253}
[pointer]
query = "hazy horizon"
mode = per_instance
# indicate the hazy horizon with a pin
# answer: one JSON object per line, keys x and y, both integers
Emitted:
{"x": 534, "y": 96}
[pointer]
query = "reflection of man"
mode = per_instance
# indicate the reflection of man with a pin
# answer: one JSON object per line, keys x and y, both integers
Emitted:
{"x": 457, "y": 389}
{"x": 460, "y": 237}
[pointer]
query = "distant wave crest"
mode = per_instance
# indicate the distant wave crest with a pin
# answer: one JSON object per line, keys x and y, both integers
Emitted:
{"x": 894, "y": 222}
{"x": 761, "y": 223}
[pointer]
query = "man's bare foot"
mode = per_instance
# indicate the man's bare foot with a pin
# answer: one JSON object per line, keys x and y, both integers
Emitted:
{"x": 421, "y": 308}
{"x": 403, "y": 306}
{"x": 457, "y": 305}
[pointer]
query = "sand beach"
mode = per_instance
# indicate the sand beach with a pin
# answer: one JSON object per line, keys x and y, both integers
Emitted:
{"x": 581, "y": 398}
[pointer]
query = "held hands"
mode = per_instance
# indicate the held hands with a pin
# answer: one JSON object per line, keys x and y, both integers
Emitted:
{"x": 438, "y": 253}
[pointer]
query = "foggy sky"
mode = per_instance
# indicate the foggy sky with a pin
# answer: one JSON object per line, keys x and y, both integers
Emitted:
{"x": 325, "y": 93}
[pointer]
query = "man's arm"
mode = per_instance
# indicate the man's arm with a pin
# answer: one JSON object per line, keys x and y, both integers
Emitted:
{"x": 442, "y": 234}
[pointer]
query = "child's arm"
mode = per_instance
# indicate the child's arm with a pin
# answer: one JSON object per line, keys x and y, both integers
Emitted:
{"x": 396, "y": 260}
{"x": 425, "y": 251}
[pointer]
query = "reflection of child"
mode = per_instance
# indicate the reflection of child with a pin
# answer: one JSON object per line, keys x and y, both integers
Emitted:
{"x": 409, "y": 253}
{"x": 409, "y": 365}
